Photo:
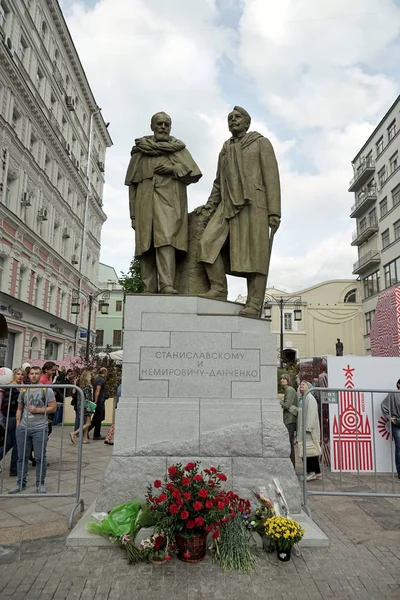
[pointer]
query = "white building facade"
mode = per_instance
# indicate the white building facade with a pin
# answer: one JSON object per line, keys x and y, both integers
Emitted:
{"x": 376, "y": 187}
{"x": 53, "y": 141}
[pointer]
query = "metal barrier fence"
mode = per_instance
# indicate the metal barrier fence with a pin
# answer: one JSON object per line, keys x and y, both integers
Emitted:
{"x": 354, "y": 444}
{"x": 10, "y": 433}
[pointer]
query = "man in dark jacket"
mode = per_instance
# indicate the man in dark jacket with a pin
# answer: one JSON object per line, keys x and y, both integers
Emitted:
{"x": 99, "y": 397}
{"x": 289, "y": 407}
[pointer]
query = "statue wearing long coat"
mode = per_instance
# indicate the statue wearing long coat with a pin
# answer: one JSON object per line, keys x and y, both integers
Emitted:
{"x": 246, "y": 192}
{"x": 158, "y": 203}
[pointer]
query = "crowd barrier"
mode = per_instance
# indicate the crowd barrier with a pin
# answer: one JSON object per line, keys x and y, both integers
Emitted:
{"x": 75, "y": 491}
{"x": 356, "y": 440}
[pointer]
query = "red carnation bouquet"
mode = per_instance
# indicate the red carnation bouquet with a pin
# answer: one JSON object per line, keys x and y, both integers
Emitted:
{"x": 191, "y": 501}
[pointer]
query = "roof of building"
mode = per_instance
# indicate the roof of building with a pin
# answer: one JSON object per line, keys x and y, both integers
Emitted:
{"x": 107, "y": 273}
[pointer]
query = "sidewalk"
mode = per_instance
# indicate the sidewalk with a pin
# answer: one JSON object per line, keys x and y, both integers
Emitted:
{"x": 25, "y": 518}
{"x": 362, "y": 562}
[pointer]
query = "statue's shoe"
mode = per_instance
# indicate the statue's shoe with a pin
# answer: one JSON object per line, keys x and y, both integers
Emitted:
{"x": 214, "y": 295}
{"x": 249, "y": 311}
{"x": 169, "y": 290}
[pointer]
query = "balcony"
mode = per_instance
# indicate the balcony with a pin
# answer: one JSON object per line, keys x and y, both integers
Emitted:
{"x": 362, "y": 234}
{"x": 366, "y": 261}
{"x": 365, "y": 201}
{"x": 364, "y": 170}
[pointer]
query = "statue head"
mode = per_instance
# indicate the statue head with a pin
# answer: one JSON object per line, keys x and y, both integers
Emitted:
{"x": 238, "y": 121}
{"x": 161, "y": 126}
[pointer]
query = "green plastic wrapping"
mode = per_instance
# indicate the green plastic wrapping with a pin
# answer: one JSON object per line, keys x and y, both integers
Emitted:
{"x": 121, "y": 520}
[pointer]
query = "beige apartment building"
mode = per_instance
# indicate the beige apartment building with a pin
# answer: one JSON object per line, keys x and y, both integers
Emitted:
{"x": 53, "y": 141}
{"x": 376, "y": 187}
{"x": 329, "y": 310}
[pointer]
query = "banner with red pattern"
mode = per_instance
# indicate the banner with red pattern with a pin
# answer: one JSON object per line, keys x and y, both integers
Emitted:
{"x": 359, "y": 433}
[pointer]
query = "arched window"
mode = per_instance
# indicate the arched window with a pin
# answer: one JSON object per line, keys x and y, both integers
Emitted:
{"x": 34, "y": 349}
{"x": 351, "y": 296}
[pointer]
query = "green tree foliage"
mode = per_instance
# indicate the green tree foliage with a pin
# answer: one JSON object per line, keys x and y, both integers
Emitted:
{"x": 131, "y": 281}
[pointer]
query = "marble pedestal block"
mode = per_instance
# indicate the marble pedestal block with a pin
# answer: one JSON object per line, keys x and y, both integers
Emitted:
{"x": 198, "y": 383}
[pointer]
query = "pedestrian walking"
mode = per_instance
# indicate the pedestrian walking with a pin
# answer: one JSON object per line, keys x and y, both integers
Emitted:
{"x": 391, "y": 409}
{"x": 99, "y": 398}
{"x": 289, "y": 408}
{"x": 86, "y": 387}
{"x": 34, "y": 406}
{"x": 110, "y": 434}
{"x": 8, "y": 413}
{"x": 312, "y": 432}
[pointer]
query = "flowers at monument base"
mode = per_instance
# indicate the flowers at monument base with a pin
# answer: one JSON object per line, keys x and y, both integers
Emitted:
{"x": 190, "y": 500}
{"x": 255, "y": 521}
{"x": 156, "y": 548}
{"x": 284, "y": 531}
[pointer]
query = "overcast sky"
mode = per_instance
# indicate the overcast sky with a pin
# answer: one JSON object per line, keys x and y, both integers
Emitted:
{"x": 315, "y": 76}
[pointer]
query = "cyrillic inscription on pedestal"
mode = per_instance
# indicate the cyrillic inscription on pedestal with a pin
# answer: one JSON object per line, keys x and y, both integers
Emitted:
{"x": 191, "y": 356}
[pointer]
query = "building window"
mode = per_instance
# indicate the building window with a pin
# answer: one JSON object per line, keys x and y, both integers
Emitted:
{"x": 372, "y": 218}
{"x": 1, "y": 271}
{"x": 4, "y": 14}
{"x": 371, "y": 284}
{"x": 396, "y": 228}
{"x": 383, "y": 207}
{"x": 118, "y": 305}
{"x": 351, "y": 296}
{"x": 34, "y": 351}
{"x": 117, "y": 337}
{"x": 39, "y": 79}
{"x": 394, "y": 162}
{"x": 379, "y": 145}
{"x": 100, "y": 304}
{"x": 385, "y": 239}
{"x": 391, "y": 130}
{"x": 62, "y": 304}
{"x": 38, "y": 287}
{"x": 100, "y": 338}
{"x": 50, "y": 350}
{"x": 363, "y": 224}
{"x": 369, "y": 319}
{"x": 22, "y": 48}
{"x": 21, "y": 283}
{"x": 50, "y": 299}
{"x": 392, "y": 272}
{"x": 396, "y": 195}
{"x": 288, "y": 321}
{"x": 16, "y": 121}
{"x": 382, "y": 176}
{"x": 34, "y": 145}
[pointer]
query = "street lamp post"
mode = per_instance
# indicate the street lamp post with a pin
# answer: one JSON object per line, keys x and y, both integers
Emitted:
{"x": 281, "y": 302}
{"x": 76, "y": 306}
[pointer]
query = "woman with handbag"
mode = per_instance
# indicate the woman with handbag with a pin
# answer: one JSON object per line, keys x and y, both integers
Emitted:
{"x": 312, "y": 433}
{"x": 88, "y": 407}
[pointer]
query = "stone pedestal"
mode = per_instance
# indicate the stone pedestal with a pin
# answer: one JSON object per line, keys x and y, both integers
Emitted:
{"x": 199, "y": 383}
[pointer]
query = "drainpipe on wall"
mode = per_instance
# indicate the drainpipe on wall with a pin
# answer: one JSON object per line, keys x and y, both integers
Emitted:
{"x": 85, "y": 211}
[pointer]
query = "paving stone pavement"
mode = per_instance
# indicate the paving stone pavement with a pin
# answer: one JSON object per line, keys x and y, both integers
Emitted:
{"x": 362, "y": 562}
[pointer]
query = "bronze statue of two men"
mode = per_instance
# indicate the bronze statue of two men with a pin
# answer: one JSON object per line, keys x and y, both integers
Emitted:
{"x": 243, "y": 211}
